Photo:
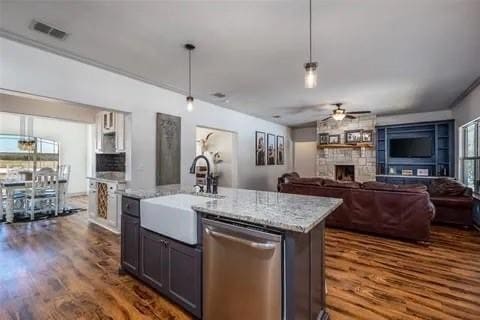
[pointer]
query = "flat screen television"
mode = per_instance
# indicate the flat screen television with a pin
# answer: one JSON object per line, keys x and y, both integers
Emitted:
{"x": 411, "y": 147}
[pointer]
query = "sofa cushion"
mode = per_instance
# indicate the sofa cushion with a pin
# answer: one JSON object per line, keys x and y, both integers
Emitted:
{"x": 379, "y": 186}
{"x": 308, "y": 181}
{"x": 338, "y": 184}
{"x": 412, "y": 188}
{"x": 455, "y": 201}
{"x": 287, "y": 177}
{"x": 448, "y": 187}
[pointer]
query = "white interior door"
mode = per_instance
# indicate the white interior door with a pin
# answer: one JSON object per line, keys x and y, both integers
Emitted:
{"x": 305, "y": 156}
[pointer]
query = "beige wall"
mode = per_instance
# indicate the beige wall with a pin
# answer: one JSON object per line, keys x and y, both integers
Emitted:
{"x": 43, "y": 107}
{"x": 305, "y": 155}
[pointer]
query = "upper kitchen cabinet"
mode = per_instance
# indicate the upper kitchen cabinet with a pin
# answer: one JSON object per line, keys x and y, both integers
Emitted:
{"x": 120, "y": 132}
{"x": 110, "y": 132}
{"x": 108, "y": 122}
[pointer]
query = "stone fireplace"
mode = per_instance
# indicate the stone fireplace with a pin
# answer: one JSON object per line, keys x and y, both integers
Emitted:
{"x": 345, "y": 173}
{"x": 360, "y": 160}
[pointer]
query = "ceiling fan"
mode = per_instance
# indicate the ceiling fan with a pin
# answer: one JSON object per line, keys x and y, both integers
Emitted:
{"x": 339, "y": 114}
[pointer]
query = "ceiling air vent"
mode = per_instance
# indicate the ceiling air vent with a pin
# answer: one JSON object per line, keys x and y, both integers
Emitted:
{"x": 219, "y": 95}
{"x": 51, "y": 31}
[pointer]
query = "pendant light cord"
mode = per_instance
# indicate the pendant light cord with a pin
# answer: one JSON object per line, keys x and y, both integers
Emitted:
{"x": 310, "y": 31}
{"x": 189, "y": 72}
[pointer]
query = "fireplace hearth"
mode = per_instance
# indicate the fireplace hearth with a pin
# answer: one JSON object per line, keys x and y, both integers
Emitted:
{"x": 345, "y": 173}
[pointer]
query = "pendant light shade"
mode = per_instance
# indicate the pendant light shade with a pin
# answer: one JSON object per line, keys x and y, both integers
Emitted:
{"x": 310, "y": 66}
{"x": 189, "y": 103}
{"x": 26, "y": 141}
{"x": 310, "y": 75}
{"x": 190, "y": 48}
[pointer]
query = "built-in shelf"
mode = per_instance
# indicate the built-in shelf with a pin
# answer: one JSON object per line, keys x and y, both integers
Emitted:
{"x": 440, "y": 163}
{"x": 345, "y": 146}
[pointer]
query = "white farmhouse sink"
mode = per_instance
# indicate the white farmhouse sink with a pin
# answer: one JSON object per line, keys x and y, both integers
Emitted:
{"x": 172, "y": 216}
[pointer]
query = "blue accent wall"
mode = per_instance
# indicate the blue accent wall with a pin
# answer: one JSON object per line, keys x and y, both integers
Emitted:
{"x": 441, "y": 163}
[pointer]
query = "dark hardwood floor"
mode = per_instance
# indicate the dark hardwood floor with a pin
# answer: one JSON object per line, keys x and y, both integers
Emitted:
{"x": 375, "y": 278}
{"x": 64, "y": 268}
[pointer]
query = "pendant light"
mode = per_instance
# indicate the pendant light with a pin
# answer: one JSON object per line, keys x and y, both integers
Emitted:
{"x": 26, "y": 141}
{"x": 310, "y": 66}
{"x": 190, "y": 48}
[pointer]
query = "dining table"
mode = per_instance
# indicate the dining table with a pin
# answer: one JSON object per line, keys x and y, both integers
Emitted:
{"x": 10, "y": 187}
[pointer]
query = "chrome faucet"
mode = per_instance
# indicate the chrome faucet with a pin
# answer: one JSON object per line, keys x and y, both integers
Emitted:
{"x": 192, "y": 171}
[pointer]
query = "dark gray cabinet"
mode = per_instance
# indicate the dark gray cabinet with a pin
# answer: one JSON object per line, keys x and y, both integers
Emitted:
{"x": 172, "y": 268}
{"x": 153, "y": 259}
{"x": 184, "y": 270}
{"x": 130, "y": 243}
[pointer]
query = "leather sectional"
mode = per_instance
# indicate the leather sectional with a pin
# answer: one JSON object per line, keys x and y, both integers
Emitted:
{"x": 403, "y": 212}
{"x": 399, "y": 211}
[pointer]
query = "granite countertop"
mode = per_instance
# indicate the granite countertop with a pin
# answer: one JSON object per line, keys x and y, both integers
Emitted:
{"x": 118, "y": 177}
{"x": 279, "y": 210}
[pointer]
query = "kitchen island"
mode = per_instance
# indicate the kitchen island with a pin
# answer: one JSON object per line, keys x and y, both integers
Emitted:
{"x": 241, "y": 254}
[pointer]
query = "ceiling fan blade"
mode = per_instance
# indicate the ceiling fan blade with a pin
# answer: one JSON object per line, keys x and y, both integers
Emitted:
{"x": 326, "y": 119}
{"x": 350, "y": 117}
{"x": 359, "y": 112}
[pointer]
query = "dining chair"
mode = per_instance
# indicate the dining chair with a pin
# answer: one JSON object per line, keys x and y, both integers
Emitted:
{"x": 17, "y": 195}
{"x": 42, "y": 195}
{"x": 64, "y": 171}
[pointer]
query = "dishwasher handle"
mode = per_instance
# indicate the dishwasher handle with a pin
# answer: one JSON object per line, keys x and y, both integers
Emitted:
{"x": 253, "y": 244}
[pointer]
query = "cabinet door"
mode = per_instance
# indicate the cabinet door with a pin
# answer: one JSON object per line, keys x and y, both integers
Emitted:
{"x": 153, "y": 259}
{"x": 130, "y": 243}
{"x": 105, "y": 121}
{"x": 184, "y": 276}
{"x": 92, "y": 203}
{"x": 111, "y": 120}
{"x": 99, "y": 133}
{"x": 119, "y": 132}
{"x": 112, "y": 210}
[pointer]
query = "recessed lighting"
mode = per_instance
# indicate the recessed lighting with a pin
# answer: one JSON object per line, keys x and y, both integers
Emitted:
{"x": 227, "y": 101}
{"x": 276, "y": 116}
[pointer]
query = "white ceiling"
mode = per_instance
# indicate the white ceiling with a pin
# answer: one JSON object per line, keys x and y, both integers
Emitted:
{"x": 381, "y": 55}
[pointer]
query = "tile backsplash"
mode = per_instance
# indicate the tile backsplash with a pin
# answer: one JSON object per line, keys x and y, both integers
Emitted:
{"x": 110, "y": 162}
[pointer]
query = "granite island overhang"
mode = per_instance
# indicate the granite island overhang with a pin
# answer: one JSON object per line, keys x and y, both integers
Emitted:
{"x": 296, "y": 219}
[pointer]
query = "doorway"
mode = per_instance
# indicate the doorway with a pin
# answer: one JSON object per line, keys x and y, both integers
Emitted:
{"x": 220, "y": 148}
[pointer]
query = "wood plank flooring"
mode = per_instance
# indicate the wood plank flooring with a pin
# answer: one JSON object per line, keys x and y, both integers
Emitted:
{"x": 64, "y": 268}
{"x": 375, "y": 278}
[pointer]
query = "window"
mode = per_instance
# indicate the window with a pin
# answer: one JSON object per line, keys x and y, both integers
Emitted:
{"x": 17, "y": 159}
{"x": 470, "y": 157}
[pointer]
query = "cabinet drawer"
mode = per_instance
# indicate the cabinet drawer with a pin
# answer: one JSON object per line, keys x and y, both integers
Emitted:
{"x": 131, "y": 206}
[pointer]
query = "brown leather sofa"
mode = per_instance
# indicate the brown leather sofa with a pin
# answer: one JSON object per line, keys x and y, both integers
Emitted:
{"x": 454, "y": 202}
{"x": 403, "y": 212}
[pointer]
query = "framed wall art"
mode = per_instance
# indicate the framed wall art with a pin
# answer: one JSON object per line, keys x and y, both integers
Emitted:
{"x": 260, "y": 148}
{"x": 280, "y": 150}
{"x": 270, "y": 149}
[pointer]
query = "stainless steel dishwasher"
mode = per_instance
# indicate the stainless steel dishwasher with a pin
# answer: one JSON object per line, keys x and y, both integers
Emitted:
{"x": 242, "y": 273}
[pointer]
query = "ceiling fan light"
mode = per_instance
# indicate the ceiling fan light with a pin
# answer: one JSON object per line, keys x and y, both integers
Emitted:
{"x": 310, "y": 75}
{"x": 338, "y": 116}
{"x": 189, "y": 103}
